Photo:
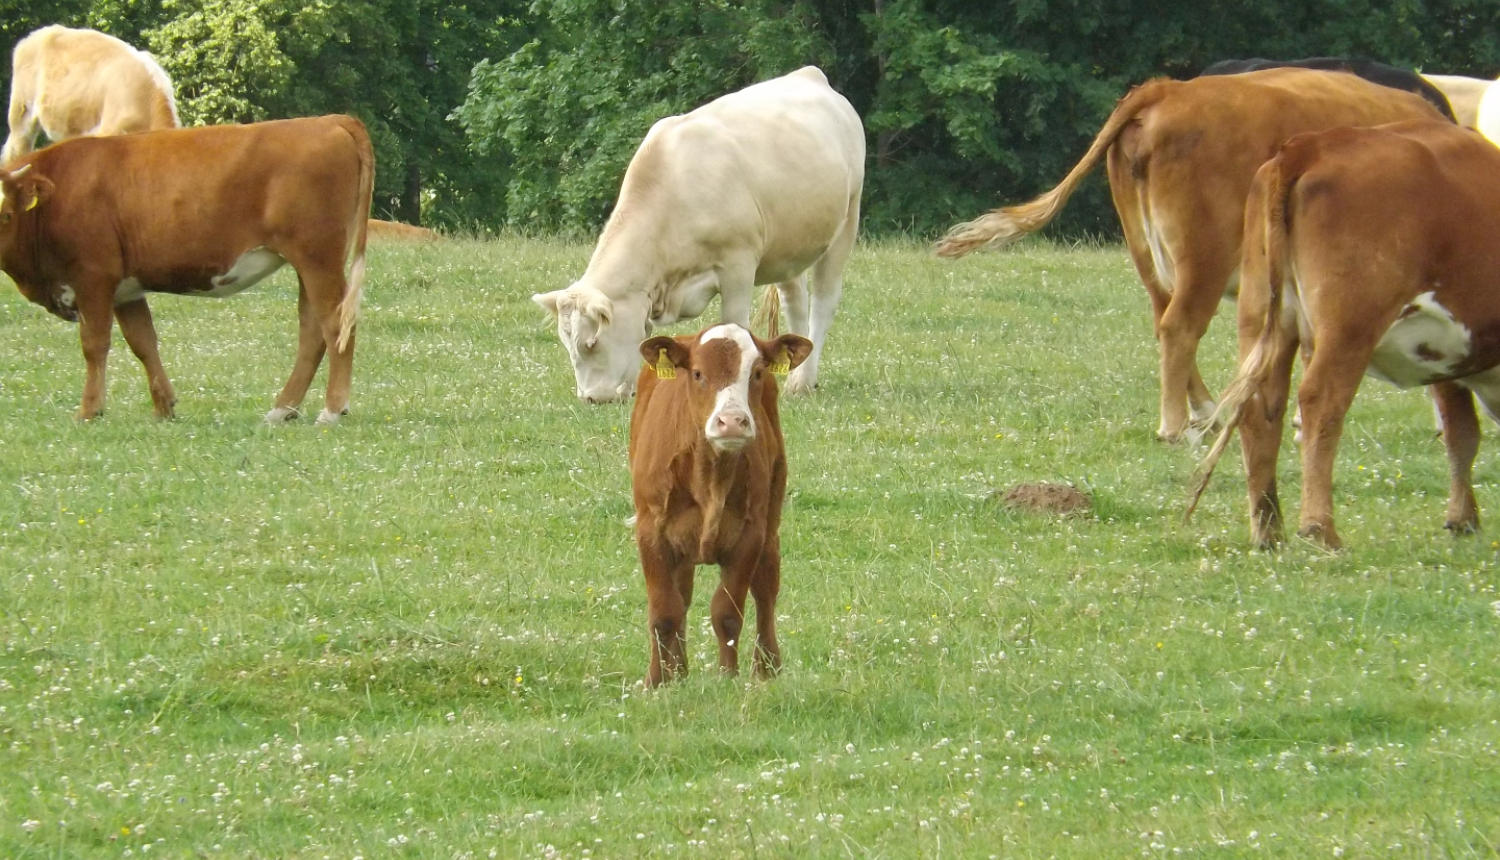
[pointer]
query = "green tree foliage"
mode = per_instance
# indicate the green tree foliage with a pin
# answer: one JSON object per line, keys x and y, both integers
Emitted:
{"x": 568, "y": 109}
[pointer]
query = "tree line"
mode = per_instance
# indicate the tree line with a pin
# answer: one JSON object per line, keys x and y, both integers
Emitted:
{"x": 522, "y": 114}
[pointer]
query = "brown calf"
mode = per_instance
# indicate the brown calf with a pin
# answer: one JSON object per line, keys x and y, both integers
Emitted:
{"x": 91, "y": 225}
{"x": 708, "y": 473}
{"x": 1374, "y": 249}
{"x": 1181, "y": 157}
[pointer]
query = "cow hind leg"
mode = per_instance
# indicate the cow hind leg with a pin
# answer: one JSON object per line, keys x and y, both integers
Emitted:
{"x": 1325, "y": 395}
{"x": 325, "y": 288}
{"x": 1180, "y": 328}
{"x": 794, "y": 302}
{"x": 140, "y": 333}
{"x": 727, "y": 612}
{"x": 1260, "y": 440}
{"x": 827, "y": 287}
{"x": 1460, "y": 428}
{"x": 310, "y": 349}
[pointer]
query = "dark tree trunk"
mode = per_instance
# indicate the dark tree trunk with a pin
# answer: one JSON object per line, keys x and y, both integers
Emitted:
{"x": 410, "y": 209}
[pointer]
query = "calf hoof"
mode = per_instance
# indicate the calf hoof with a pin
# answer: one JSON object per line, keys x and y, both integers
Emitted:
{"x": 1323, "y": 535}
{"x": 329, "y": 418}
{"x": 1461, "y": 528}
{"x": 282, "y": 415}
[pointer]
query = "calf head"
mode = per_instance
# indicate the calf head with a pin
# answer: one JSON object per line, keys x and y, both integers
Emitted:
{"x": 727, "y": 369}
{"x": 21, "y": 191}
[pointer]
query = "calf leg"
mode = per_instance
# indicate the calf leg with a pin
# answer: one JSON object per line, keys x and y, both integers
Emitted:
{"x": 666, "y": 612}
{"x": 140, "y": 333}
{"x": 827, "y": 287}
{"x": 1460, "y": 426}
{"x": 764, "y": 588}
{"x": 1260, "y": 440}
{"x": 310, "y": 349}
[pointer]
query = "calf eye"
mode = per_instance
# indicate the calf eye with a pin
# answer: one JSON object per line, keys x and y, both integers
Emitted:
{"x": 697, "y": 375}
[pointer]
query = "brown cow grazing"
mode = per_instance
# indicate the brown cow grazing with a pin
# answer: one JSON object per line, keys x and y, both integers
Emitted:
{"x": 396, "y": 231}
{"x": 68, "y": 83}
{"x": 1374, "y": 249}
{"x": 1181, "y": 156}
{"x": 89, "y": 226}
{"x": 708, "y": 472}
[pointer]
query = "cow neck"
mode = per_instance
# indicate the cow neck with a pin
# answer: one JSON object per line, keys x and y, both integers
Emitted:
{"x": 631, "y": 261}
{"x": 715, "y": 474}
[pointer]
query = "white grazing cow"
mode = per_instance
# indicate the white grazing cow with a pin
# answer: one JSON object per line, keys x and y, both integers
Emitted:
{"x": 69, "y": 83}
{"x": 1488, "y": 121}
{"x": 1463, "y": 95}
{"x": 752, "y": 188}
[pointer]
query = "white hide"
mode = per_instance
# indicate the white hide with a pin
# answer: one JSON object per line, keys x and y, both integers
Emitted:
{"x": 756, "y": 187}
{"x": 251, "y": 268}
{"x": 1488, "y": 120}
{"x": 1424, "y": 345}
{"x": 732, "y": 399}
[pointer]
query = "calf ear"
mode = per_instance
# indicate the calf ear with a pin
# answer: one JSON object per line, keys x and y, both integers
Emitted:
{"x": 788, "y": 351}
{"x": 677, "y": 354}
{"x": 26, "y": 189}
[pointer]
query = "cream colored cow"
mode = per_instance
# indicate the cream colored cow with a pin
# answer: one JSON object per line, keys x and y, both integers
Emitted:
{"x": 755, "y": 187}
{"x": 1463, "y": 94}
{"x": 68, "y": 83}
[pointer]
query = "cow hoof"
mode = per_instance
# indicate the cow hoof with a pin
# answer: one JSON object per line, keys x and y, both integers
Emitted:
{"x": 282, "y": 415}
{"x": 1324, "y": 536}
{"x": 1461, "y": 528}
{"x": 329, "y": 418}
{"x": 798, "y": 386}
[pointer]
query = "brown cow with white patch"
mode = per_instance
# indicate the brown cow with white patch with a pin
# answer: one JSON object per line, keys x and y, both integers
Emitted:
{"x": 1374, "y": 249}
{"x": 89, "y": 226}
{"x": 708, "y": 473}
{"x": 68, "y": 83}
{"x": 1181, "y": 158}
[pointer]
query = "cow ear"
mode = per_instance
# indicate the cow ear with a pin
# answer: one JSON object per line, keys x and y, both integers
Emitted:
{"x": 653, "y": 348}
{"x": 785, "y": 352}
{"x": 548, "y": 301}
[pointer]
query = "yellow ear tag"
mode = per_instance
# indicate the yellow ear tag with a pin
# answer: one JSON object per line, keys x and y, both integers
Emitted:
{"x": 32, "y": 205}
{"x": 664, "y": 367}
{"x": 783, "y": 363}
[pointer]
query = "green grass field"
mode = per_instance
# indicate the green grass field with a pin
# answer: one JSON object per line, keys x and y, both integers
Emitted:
{"x": 422, "y": 633}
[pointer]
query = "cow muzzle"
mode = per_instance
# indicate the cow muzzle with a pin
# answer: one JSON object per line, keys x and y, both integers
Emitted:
{"x": 730, "y": 430}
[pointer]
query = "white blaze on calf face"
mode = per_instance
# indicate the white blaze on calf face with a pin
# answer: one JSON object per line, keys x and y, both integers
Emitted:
{"x": 1424, "y": 345}
{"x": 731, "y": 425}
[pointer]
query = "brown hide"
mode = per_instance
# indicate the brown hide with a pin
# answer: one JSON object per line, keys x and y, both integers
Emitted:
{"x": 696, "y": 504}
{"x": 1347, "y": 233}
{"x": 90, "y": 225}
{"x": 68, "y": 83}
{"x": 395, "y": 231}
{"x": 1181, "y": 156}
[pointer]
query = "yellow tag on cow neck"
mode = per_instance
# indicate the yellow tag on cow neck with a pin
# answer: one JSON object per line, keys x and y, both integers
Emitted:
{"x": 783, "y": 363}
{"x": 664, "y": 367}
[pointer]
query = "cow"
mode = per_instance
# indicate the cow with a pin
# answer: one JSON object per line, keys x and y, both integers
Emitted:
{"x": 1181, "y": 158}
{"x": 1376, "y": 73}
{"x": 708, "y": 475}
{"x": 91, "y": 225}
{"x": 1487, "y": 120}
{"x": 1373, "y": 250}
{"x": 1464, "y": 95}
{"x": 396, "y": 231}
{"x": 67, "y": 83}
{"x": 753, "y": 188}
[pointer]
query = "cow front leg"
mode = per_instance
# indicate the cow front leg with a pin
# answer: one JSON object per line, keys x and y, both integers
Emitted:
{"x": 1460, "y": 428}
{"x": 727, "y": 611}
{"x": 95, "y": 322}
{"x": 826, "y": 287}
{"x": 140, "y": 333}
{"x": 310, "y": 348}
{"x": 666, "y": 612}
{"x": 764, "y": 588}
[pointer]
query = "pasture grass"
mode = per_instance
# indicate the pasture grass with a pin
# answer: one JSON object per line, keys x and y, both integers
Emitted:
{"x": 421, "y": 633}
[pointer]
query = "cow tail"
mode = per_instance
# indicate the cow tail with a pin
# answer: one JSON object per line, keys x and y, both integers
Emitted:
{"x": 1001, "y": 227}
{"x": 768, "y": 317}
{"x": 358, "y": 229}
{"x": 1275, "y": 180}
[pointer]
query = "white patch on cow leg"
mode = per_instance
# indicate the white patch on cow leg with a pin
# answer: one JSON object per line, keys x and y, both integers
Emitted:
{"x": 281, "y": 415}
{"x": 328, "y": 419}
{"x": 1486, "y": 387}
{"x": 128, "y": 291}
{"x": 1425, "y": 344}
{"x": 733, "y": 399}
{"x": 250, "y": 269}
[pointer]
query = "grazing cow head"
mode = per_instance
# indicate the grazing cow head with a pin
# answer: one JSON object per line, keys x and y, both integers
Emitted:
{"x": 600, "y": 335}
{"x": 21, "y": 191}
{"x": 726, "y": 369}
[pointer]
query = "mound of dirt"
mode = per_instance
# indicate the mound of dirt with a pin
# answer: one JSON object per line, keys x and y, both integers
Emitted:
{"x": 1043, "y": 498}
